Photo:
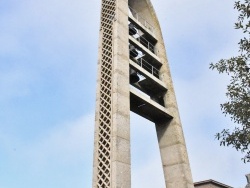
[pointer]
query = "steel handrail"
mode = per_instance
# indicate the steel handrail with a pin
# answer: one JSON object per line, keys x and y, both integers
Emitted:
{"x": 146, "y": 66}
{"x": 142, "y": 20}
{"x": 146, "y": 43}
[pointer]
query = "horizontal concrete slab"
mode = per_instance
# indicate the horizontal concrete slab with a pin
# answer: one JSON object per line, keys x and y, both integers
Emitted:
{"x": 147, "y": 33}
{"x": 147, "y": 108}
{"x": 150, "y": 85}
{"x": 148, "y": 55}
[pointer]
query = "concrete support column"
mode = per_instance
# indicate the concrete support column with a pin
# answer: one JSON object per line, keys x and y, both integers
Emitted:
{"x": 120, "y": 159}
{"x": 171, "y": 140}
{"x": 248, "y": 181}
{"x": 174, "y": 155}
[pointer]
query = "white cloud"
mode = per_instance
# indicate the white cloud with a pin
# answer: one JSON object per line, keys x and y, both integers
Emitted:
{"x": 47, "y": 33}
{"x": 48, "y": 40}
{"x": 199, "y": 100}
{"x": 68, "y": 146}
{"x": 14, "y": 83}
{"x": 210, "y": 161}
{"x": 149, "y": 175}
{"x": 61, "y": 156}
{"x": 67, "y": 143}
{"x": 201, "y": 97}
{"x": 194, "y": 16}
{"x": 11, "y": 45}
{"x": 147, "y": 169}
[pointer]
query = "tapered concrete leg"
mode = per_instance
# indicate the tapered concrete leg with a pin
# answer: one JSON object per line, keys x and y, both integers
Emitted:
{"x": 174, "y": 156}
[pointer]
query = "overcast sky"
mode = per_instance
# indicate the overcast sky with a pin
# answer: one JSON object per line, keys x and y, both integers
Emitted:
{"x": 48, "y": 69}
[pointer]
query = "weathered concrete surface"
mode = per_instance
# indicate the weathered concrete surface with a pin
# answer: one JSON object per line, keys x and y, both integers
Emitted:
{"x": 113, "y": 114}
{"x": 248, "y": 181}
{"x": 115, "y": 172}
{"x": 170, "y": 134}
{"x": 121, "y": 162}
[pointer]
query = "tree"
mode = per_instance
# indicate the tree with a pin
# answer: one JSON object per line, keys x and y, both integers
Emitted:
{"x": 238, "y": 90}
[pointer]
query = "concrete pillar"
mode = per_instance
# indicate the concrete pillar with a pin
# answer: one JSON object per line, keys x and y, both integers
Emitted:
{"x": 248, "y": 181}
{"x": 121, "y": 163}
{"x": 112, "y": 166}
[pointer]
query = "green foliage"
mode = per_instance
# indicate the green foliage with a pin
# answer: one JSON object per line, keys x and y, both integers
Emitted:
{"x": 238, "y": 90}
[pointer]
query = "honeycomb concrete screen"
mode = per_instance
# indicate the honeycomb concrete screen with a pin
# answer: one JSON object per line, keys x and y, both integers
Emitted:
{"x": 134, "y": 75}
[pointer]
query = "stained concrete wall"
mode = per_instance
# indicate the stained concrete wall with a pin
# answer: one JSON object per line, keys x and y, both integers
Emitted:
{"x": 172, "y": 145}
{"x": 121, "y": 162}
{"x": 171, "y": 140}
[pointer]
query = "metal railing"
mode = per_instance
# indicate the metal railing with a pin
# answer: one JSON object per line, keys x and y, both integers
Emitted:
{"x": 142, "y": 20}
{"x": 144, "y": 64}
{"x": 148, "y": 67}
{"x": 138, "y": 35}
{"x": 146, "y": 43}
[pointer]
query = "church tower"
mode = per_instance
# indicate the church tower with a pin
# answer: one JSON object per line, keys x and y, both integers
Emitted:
{"x": 134, "y": 75}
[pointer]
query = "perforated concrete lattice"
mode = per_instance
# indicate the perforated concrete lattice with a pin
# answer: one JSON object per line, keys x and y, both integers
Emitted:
{"x": 105, "y": 116}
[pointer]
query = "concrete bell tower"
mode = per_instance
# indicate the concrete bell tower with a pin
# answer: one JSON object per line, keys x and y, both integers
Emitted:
{"x": 134, "y": 75}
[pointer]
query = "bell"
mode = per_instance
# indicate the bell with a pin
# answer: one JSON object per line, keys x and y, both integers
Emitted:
{"x": 133, "y": 76}
{"x": 132, "y": 51}
{"x": 132, "y": 30}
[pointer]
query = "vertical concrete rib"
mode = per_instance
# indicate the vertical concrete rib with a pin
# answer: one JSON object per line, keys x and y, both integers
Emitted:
{"x": 103, "y": 129}
{"x": 170, "y": 135}
{"x": 112, "y": 134}
{"x": 121, "y": 167}
{"x": 171, "y": 140}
